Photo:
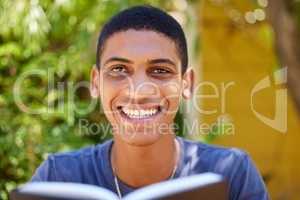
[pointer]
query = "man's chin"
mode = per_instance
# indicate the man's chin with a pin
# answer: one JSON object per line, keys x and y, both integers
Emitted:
{"x": 141, "y": 138}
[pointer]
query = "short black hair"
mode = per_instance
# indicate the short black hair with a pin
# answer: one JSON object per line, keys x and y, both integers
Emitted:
{"x": 145, "y": 17}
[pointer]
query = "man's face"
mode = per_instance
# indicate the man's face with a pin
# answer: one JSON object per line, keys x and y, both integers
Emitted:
{"x": 140, "y": 84}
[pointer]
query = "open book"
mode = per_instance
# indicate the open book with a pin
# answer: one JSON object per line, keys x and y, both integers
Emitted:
{"x": 202, "y": 186}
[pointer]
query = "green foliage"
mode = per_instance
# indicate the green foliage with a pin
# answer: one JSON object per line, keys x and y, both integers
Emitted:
{"x": 56, "y": 40}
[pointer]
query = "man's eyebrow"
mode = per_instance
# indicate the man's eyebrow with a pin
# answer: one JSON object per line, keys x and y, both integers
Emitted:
{"x": 162, "y": 60}
{"x": 118, "y": 59}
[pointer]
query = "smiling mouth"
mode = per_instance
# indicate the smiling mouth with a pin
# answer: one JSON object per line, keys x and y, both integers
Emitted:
{"x": 140, "y": 114}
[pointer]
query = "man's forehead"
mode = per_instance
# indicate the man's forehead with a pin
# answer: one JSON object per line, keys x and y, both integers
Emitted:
{"x": 140, "y": 44}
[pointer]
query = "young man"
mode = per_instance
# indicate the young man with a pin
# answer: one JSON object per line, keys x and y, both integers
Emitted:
{"x": 140, "y": 76}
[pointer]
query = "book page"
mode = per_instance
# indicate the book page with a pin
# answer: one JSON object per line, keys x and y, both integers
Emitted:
{"x": 166, "y": 188}
{"x": 68, "y": 190}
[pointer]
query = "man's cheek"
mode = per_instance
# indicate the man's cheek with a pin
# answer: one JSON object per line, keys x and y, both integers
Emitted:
{"x": 173, "y": 100}
{"x": 107, "y": 108}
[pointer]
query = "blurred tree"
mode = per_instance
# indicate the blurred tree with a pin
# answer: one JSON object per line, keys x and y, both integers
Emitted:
{"x": 284, "y": 16}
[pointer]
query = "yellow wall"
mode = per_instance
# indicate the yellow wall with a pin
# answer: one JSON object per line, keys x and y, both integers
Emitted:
{"x": 242, "y": 55}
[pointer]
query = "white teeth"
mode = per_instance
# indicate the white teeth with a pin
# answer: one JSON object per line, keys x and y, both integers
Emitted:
{"x": 139, "y": 113}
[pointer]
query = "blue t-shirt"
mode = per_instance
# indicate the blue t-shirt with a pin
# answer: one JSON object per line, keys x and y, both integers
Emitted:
{"x": 92, "y": 165}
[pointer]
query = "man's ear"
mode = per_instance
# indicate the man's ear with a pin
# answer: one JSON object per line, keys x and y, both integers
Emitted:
{"x": 95, "y": 82}
{"x": 188, "y": 83}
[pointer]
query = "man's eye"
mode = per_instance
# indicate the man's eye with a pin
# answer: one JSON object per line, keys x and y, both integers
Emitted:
{"x": 119, "y": 68}
{"x": 160, "y": 71}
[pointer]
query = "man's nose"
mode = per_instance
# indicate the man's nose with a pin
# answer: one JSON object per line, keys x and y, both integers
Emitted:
{"x": 140, "y": 86}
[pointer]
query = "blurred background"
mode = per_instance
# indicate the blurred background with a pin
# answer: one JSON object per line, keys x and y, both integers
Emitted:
{"x": 246, "y": 53}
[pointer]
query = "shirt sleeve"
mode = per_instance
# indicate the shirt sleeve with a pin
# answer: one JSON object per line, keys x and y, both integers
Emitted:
{"x": 247, "y": 183}
{"x": 45, "y": 172}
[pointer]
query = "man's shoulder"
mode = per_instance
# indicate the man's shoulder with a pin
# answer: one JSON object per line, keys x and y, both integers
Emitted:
{"x": 71, "y": 166}
{"x": 234, "y": 164}
{"x": 214, "y": 158}
{"x": 193, "y": 147}
{"x": 82, "y": 153}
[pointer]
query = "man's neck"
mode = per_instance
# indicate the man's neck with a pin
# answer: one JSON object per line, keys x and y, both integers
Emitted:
{"x": 138, "y": 166}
